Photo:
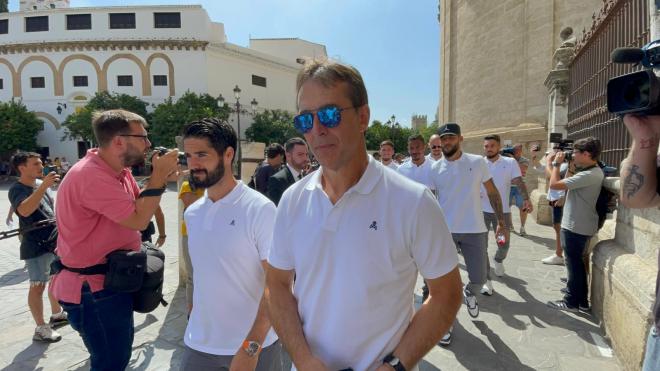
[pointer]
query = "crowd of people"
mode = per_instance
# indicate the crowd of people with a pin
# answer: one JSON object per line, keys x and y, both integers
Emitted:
{"x": 307, "y": 263}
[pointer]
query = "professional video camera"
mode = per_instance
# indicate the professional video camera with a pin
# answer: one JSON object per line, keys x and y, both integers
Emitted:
{"x": 564, "y": 145}
{"x": 637, "y": 92}
{"x": 181, "y": 159}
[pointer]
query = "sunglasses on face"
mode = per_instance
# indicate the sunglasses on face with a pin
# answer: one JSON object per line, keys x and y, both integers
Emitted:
{"x": 436, "y": 147}
{"x": 329, "y": 116}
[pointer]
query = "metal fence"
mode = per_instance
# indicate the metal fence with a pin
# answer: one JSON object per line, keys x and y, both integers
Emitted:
{"x": 620, "y": 23}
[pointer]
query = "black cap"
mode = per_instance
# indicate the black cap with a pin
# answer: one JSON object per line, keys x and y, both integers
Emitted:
{"x": 450, "y": 128}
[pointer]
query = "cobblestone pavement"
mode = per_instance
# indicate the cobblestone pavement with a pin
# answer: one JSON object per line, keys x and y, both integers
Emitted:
{"x": 515, "y": 330}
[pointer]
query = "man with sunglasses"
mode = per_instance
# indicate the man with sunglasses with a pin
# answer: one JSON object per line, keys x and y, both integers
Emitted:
{"x": 435, "y": 146}
{"x": 355, "y": 261}
{"x": 100, "y": 209}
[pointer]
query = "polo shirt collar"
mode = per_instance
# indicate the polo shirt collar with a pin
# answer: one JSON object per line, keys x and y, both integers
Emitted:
{"x": 93, "y": 155}
{"x": 365, "y": 185}
{"x": 231, "y": 198}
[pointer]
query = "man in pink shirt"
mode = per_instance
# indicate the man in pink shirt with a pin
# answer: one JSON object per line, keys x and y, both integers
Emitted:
{"x": 99, "y": 210}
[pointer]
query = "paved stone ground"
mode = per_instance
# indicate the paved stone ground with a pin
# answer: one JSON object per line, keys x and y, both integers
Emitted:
{"x": 515, "y": 331}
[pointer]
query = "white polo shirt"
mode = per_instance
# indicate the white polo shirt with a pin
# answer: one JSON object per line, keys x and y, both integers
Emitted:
{"x": 458, "y": 188}
{"x": 430, "y": 158}
{"x": 503, "y": 171}
{"x": 420, "y": 174}
{"x": 357, "y": 261}
{"x": 392, "y": 165}
{"x": 227, "y": 239}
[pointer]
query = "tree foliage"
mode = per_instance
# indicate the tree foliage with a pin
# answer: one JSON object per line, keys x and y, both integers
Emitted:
{"x": 4, "y": 8}
{"x": 19, "y": 127}
{"x": 379, "y": 132}
{"x": 78, "y": 125}
{"x": 272, "y": 126}
{"x": 169, "y": 117}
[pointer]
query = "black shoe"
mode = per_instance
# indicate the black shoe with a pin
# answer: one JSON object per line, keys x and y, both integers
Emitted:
{"x": 446, "y": 340}
{"x": 58, "y": 320}
{"x": 584, "y": 308}
{"x": 562, "y": 305}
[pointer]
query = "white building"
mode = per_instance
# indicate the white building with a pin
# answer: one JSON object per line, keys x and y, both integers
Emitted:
{"x": 52, "y": 56}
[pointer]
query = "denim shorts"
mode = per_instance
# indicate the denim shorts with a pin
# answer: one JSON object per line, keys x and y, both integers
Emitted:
{"x": 516, "y": 198}
{"x": 39, "y": 267}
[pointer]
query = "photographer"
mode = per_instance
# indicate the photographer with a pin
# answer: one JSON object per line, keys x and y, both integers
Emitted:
{"x": 640, "y": 172}
{"x": 580, "y": 220}
{"x": 100, "y": 210}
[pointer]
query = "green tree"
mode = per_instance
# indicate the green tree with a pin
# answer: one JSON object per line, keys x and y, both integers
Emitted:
{"x": 272, "y": 126}
{"x": 19, "y": 127}
{"x": 78, "y": 125}
{"x": 169, "y": 117}
{"x": 378, "y": 132}
{"x": 4, "y": 8}
{"x": 430, "y": 130}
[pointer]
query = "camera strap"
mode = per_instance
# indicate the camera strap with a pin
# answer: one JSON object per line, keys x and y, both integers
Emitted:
{"x": 152, "y": 192}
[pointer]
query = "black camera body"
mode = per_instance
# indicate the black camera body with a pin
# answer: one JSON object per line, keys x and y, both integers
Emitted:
{"x": 637, "y": 92}
{"x": 507, "y": 151}
{"x": 564, "y": 145}
{"x": 181, "y": 158}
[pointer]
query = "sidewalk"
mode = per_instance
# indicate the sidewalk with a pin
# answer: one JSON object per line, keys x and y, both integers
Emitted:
{"x": 515, "y": 330}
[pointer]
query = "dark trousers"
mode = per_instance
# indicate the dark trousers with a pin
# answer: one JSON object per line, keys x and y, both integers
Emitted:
{"x": 104, "y": 320}
{"x": 574, "y": 246}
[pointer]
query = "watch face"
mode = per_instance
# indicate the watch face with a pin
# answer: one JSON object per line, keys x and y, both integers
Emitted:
{"x": 252, "y": 348}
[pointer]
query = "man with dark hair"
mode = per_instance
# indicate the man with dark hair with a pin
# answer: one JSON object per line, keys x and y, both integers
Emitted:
{"x": 640, "y": 173}
{"x": 458, "y": 179}
{"x": 100, "y": 210}
{"x": 418, "y": 168}
{"x": 355, "y": 261}
{"x": 270, "y": 166}
{"x": 516, "y": 197}
{"x": 505, "y": 172}
{"x": 387, "y": 154}
{"x": 33, "y": 202}
{"x": 229, "y": 326}
{"x": 580, "y": 220}
{"x": 296, "y": 161}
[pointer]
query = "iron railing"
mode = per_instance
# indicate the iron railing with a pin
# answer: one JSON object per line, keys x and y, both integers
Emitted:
{"x": 620, "y": 23}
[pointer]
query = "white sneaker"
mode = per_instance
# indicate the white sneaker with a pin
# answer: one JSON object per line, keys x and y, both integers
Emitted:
{"x": 522, "y": 231}
{"x": 47, "y": 334}
{"x": 487, "y": 289}
{"x": 471, "y": 303}
{"x": 553, "y": 260}
{"x": 498, "y": 268}
{"x": 446, "y": 340}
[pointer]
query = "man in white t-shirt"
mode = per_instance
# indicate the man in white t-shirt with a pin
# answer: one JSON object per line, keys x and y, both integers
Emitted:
{"x": 387, "y": 154}
{"x": 458, "y": 178}
{"x": 230, "y": 229}
{"x": 418, "y": 168}
{"x": 355, "y": 261}
{"x": 505, "y": 172}
{"x": 435, "y": 148}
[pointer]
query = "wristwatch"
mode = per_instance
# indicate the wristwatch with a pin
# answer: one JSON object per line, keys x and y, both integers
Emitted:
{"x": 251, "y": 347}
{"x": 555, "y": 164}
{"x": 394, "y": 361}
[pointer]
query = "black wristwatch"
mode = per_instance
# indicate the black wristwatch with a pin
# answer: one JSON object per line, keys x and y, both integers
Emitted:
{"x": 394, "y": 361}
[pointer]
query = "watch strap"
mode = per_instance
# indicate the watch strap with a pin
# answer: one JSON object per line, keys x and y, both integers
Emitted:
{"x": 394, "y": 361}
{"x": 152, "y": 192}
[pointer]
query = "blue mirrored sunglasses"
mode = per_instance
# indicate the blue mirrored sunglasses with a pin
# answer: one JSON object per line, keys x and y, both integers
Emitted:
{"x": 329, "y": 116}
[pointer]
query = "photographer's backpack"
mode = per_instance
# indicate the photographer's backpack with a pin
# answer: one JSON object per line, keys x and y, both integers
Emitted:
{"x": 606, "y": 202}
{"x": 150, "y": 294}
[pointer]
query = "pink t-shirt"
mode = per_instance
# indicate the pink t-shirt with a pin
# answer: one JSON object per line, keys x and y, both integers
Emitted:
{"x": 91, "y": 201}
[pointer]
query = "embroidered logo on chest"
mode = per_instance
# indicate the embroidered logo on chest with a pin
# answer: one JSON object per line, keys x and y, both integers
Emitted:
{"x": 233, "y": 222}
{"x": 373, "y": 226}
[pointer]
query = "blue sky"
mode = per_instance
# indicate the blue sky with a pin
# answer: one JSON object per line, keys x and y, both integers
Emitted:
{"x": 394, "y": 43}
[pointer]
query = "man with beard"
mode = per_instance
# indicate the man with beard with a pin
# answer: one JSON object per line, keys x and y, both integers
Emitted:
{"x": 387, "y": 154}
{"x": 458, "y": 178}
{"x": 99, "y": 210}
{"x": 418, "y": 168}
{"x": 297, "y": 160}
{"x": 435, "y": 146}
{"x": 230, "y": 229}
{"x": 505, "y": 172}
{"x": 355, "y": 261}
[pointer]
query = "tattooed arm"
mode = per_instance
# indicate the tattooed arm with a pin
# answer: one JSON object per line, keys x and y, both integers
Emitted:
{"x": 496, "y": 203}
{"x": 520, "y": 183}
{"x": 638, "y": 170}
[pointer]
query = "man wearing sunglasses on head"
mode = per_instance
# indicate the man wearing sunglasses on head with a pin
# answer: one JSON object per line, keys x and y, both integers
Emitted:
{"x": 355, "y": 261}
{"x": 435, "y": 146}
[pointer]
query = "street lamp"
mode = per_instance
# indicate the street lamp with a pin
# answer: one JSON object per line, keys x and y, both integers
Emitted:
{"x": 393, "y": 124}
{"x": 238, "y": 109}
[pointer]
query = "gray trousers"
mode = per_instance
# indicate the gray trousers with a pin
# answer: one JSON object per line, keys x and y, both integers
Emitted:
{"x": 491, "y": 224}
{"x": 270, "y": 359}
{"x": 187, "y": 263}
{"x": 474, "y": 247}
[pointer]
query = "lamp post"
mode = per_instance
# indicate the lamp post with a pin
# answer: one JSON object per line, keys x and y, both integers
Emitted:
{"x": 392, "y": 123}
{"x": 238, "y": 110}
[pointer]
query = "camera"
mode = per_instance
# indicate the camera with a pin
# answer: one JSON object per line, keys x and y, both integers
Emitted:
{"x": 564, "y": 145}
{"x": 637, "y": 92}
{"x": 507, "y": 151}
{"x": 181, "y": 158}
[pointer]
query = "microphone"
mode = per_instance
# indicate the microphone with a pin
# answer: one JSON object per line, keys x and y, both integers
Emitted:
{"x": 627, "y": 55}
